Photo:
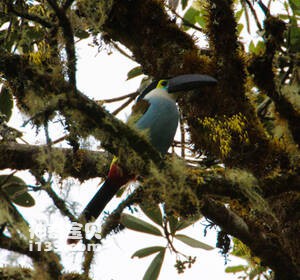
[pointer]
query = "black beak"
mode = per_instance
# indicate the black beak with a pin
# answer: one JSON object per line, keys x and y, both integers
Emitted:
{"x": 189, "y": 82}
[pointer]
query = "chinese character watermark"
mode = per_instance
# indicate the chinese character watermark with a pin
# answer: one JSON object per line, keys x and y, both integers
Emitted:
{"x": 43, "y": 237}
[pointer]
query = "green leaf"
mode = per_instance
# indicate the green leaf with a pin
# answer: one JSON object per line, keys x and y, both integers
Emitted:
{"x": 191, "y": 16}
{"x": 295, "y": 38}
{"x": 238, "y": 15}
{"x": 176, "y": 224}
{"x": 235, "y": 269}
{"x": 152, "y": 212}
{"x": 284, "y": 16}
{"x": 256, "y": 271}
{"x": 16, "y": 190}
{"x": 193, "y": 242}
{"x": 154, "y": 268}
{"x": 295, "y": 6}
{"x": 201, "y": 20}
{"x": 239, "y": 28}
{"x": 6, "y": 102}
{"x": 260, "y": 48}
{"x": 81, "y": 34}
{"x": 186, "y": 223}
{"x": 251, "y": 47}
{"x": 184, "y": 4}
{"x": 136, "y": 224}
{"x": 147, "y": 251}
{"x": 136, "y": 71}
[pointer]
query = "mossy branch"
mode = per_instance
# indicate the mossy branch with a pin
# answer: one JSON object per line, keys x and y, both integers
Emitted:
{"x": 259, "y": 243}
{"x": 85, "y": 113}
{"x": 19, "y": 229}
{"x": 59, "y": 203}
{"x": 48, "y": 260}
{"x": 82, "y": 165}
{"x": 66, "y": 26}
{"x": 112, "y": 221}
{"x": 265, "y": 78}
{"x": 29, "y": 16}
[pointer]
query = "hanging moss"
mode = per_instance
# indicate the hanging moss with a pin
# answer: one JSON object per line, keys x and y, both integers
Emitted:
{"x": 249, "y": 187}
{"x": 169, "y": 185}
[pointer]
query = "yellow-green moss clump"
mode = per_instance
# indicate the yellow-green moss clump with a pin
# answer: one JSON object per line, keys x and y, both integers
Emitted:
{"x": 222, "y": 131}
{"x": 43, "y": 53}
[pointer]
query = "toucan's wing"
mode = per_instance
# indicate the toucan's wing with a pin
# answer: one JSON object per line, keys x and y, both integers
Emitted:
{"x": 138, "y": 110}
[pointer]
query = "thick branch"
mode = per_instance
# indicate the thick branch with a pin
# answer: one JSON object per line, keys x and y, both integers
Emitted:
{"x": 269, "y": 249}
{"x": 19, "y": 242}
{"x": 82, "y": 165}
{"x": 226, "y": 219}
{"x": 48, "y": 260}
{"x": 263, "y": 69}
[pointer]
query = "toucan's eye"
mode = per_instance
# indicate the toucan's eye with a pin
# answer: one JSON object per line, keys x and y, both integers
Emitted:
{"x": 164, "y": 83}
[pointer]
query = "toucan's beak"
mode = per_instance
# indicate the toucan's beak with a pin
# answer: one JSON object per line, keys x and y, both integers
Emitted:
{"x": 189, "y": 82}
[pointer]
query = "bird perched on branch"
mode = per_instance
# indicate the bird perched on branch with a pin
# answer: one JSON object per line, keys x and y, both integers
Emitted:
{"x": 156, "y": 112}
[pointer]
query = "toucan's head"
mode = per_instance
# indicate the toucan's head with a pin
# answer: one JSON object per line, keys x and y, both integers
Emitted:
{"x": 178, "y": 84}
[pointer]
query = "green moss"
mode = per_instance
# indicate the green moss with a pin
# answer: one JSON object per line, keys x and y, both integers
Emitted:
{"x": 291, "y": 92}
{"x": 169, "y": 185}
{"x": 16, "y": 273}
{"x": 95, "y": 12}
{"x": 54, "y": 162}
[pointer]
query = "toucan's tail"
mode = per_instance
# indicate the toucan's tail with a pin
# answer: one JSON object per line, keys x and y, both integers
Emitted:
{"x": 97, "y": 204}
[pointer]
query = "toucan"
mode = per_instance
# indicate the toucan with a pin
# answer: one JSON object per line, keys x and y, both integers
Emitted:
{"x": 156, "y": 113}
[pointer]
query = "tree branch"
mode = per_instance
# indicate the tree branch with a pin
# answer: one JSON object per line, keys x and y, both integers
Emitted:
{"x": 82, "y": 165}
{"x": 49, "y": 260}
{"x": 226, "y": 219}
{"x": 67, "y": 29}
{"x": 265, "y": 78}
{"x": 29, "y": 16}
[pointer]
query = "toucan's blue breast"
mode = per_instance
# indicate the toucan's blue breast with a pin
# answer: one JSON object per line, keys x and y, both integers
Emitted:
{"x": 160, "y": 120}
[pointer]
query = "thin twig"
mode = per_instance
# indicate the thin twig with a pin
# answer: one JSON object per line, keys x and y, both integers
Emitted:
{"x": 59, "y": 203}
{"x": 254, "y": 14}
{"x": 123, "y": 106}
{"x": 121, "y": 51}
{"x": 246, "y": 16}
{"x": 119, "y": 98}
{"x": 185, "y": 22}
{"x": 60, "y": 139}
{"x": 263, "y": 7}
